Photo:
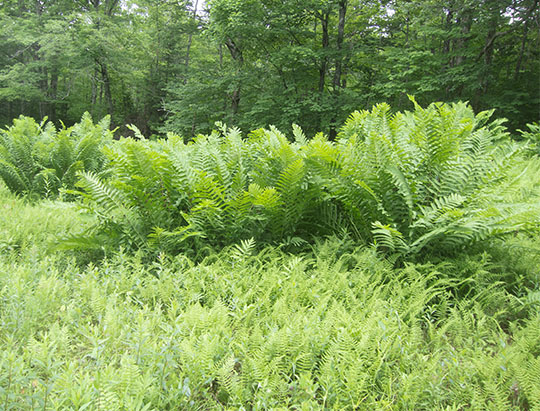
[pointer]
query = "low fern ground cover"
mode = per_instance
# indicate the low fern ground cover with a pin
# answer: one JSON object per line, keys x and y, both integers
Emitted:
{"x": 397, "y": 267}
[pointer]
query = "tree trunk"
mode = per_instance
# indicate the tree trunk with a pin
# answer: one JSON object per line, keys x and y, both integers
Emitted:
{"x": 325, "y": 43}
{"x": 528, "y": 13}
{"x": 341, "y": 33}
{"x": 446, "y": 43}
{"x": 107, "y": 87}
{"x": 235, "y": 101}
{"x": 521, "y": 50}
{"x": 94, "y": 87}
{"x": 460, "y": 44}
{"x": 190, "y": 37}
{"x": 44, "y": 88}
{"x": 236, "y": 54}
{"x": 220, "y": 50}
{"x": 39, "y": 7}
{"x": 110, "y": 6}
{"x": 336, "y": 81}
{"x": 488, "y": 56}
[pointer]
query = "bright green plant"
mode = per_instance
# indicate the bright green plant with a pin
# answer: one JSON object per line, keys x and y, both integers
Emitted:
{"x": 533, "y": 136}
{"x": 335, "y": 327}
{"x": 217, "y": 190}
{"x": 19, "y": 164}
{"x": 412, "y": 182}
{"x": 37, "y": 160}
{"x": 423, "y": 181}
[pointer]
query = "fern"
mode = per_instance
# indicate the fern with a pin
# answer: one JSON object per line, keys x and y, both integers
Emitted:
{"x": 421, "y": 174}
{"x": 38, "y": 160}
{"x": 414, "y": 183}
{"x": 244, "y": 249}
{"x": 532, "y": 136}
{"x": 18, "y": 163}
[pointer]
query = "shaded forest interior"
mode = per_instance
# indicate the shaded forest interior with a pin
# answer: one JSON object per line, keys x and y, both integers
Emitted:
{"x": 183, "y": 65}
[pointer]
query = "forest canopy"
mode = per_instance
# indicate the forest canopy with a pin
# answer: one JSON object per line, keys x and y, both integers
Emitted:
{"x": 181, "y": 66}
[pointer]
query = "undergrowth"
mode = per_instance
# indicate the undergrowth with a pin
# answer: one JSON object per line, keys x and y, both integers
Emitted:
{"x": 338, "y": 327}
{"x": 37, "y": 160}
{"x": 397, "y": 267}
{"x": 431, "y": 181}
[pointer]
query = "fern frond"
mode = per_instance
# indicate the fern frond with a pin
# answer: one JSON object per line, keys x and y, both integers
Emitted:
{"x": 299, "y": 135}
{"x": 15, "y": 181}
{"x": 289, "y": 179}
{"x": 388, "y": 238}
{"x": 244, "y": 249}
{"x": 107, "y": 198}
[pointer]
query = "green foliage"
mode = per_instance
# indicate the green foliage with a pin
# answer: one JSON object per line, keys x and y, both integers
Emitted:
{"x": 36, "y": 160}
{"x": 216, "y": 190}
{"x": 180, "y": 66}
{"x": 533, "y": 136}
{"x": 424, "y": 181}
{"x": 333, "y": 328}
{"x": 427, "y": 181}
{"x": 23, "y": 226}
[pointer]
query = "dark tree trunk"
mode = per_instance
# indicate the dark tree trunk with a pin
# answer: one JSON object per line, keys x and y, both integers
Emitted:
{"x": 341, "y": 34}
{"x": 460, "y": 44}
{"x": 235, "y": 101}
{"x": 190, "y": 37}
{"x": 521, "y": 50}
{"x": 449, "y": 22}
{"x": 236, "y": 54}
{"x": 528, "y": 14}
{"x": 106, "y": 87}
{"x": 325, "y": 43}
{"x": 488, "y": 56}
{"x": 336, "y": 81}
{"x": 94, "y": 87}
{"x": 109, "y": 7}
{"x": 44, "y": 87}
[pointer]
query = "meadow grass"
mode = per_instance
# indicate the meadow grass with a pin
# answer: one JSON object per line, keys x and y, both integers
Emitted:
{"x": 337, "y": 327}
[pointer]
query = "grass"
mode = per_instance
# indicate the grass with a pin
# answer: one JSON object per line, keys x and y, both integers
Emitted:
{"x": 335, "y": 328}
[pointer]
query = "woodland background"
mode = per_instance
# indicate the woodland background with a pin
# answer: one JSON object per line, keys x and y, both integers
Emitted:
{"x": 181, "y": 66}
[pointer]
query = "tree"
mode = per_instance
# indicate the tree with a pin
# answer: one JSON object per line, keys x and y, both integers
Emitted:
{"x": 164, "y": 66}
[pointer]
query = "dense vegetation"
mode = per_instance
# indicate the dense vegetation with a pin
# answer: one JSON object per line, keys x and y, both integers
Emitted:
{"x": 433, "y": 180}
{"x": 337, "y": 327}
{"x": 182, "y": 65}
{"x": 36, "y": 159}
{"x": 229, "y": 236}
{"x": 396, "y": 267}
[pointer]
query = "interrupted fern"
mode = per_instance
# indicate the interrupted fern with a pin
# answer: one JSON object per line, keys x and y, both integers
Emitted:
{"x": 36, "y": 159}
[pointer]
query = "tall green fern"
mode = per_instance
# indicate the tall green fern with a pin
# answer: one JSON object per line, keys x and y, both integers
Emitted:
{"x": 412, "y": 183}
{"x": 35, "y": 159}
{"x": 419, "y": 176}
{"x": 218, "y": 187}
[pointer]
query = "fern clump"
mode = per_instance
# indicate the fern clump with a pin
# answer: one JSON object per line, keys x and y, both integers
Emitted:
{"x": 214, "y": 191}
{"x": 424, "y": 181}
{"x": 412, "y": 183}
{"x": 37, "y": 160}
{"x": 532, "y": 136}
